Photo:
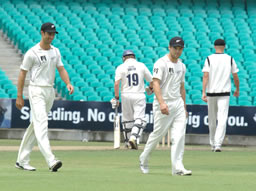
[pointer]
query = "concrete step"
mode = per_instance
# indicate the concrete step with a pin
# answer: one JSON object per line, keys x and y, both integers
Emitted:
{"x": 15, "y": 61}
{"x": 9, "y": 70}
{"x": 10, "y": 61}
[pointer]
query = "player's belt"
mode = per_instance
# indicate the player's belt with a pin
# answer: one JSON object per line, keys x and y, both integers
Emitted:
{"x": 218, "y": 94}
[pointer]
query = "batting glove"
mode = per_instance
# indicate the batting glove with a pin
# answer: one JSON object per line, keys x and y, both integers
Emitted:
{"x": 114, "y": 102}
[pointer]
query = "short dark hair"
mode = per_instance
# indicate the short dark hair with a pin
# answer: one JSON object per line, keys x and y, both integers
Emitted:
{"x": 219, "y": 42}
{"x": 129, "y": 56}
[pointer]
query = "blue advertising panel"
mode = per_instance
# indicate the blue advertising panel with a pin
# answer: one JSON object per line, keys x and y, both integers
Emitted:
{"x": 99, "y": 116}
{"x": 241, "y": 120}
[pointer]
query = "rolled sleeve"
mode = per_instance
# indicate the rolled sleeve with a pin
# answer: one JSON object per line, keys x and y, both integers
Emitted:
{"x": 27, "y": 62}
{"x": 158, "y": 71}
{"x": 206, "y": 67}
{"x": 118, "y": 75}
{"x": 234, "y": 67}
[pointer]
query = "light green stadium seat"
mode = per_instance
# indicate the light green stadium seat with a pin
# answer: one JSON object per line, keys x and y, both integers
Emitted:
{"x": 172, "y": 12}
{"x": 244, "y": 103}
{"x": 232, "y": 102}
{"x": 116, "y": 60}
{"x": 93, "y": 98}
{"x": 150, "y": 99}
{"x": 131, "y": 11}
{"x": 4, "y": 95}
{"x": 105, "y": 93}
{"x": 79, "y": 98}
{"x": 103, "y": 9}
{"x": 100, "y": 32}
{"x": 145, "y": 11}
{"x": 117, "y": 10}
{"x": 107, "y": 98}
{"x": 86, "y": 89}
{"x": 198, "y": 101}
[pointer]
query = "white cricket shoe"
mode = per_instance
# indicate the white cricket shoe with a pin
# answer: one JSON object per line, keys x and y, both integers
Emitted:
{"x": 217, "y": 149}
{"x": 183, "y": 172}
{"x": 56, "y": 166}
{"x": 144, "y": 168}
{"x": 25, "y": 167}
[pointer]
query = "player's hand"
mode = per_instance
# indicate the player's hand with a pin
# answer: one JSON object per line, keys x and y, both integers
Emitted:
{"x": 149, "y": 90}
{"x": 164, "y": 109}
{"x": 114, "y": 102}
{"x": 236, "y": 93}
{"x": 70, "y": 89}
{"x": 186, "y": 113}
{"x": 19, "y": 102}
{"x": 204, "y": 97}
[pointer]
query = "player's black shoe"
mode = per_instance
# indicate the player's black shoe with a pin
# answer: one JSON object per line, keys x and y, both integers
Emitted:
{"x": 56, "y": 166}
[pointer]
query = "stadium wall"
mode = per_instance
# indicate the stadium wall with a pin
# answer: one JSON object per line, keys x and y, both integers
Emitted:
{"x": 93, "y": 121}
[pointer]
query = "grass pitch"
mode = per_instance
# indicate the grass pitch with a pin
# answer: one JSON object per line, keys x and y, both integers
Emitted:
{"x": 118, "y": 170}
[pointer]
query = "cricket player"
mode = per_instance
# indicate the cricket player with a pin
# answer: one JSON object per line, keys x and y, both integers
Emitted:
{"x": 216, "y": 81}
{"x": 41, "y": 61}
{"x": 131, "y": 75}
{"x": 169, "y": 107}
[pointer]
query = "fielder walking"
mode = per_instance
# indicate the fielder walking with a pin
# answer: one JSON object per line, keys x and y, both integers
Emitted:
{"x": 131, "y": 74}
{"x": 41, "y": 61}
{"x": 216, "y": 81}
{"x": 169, "y": 107}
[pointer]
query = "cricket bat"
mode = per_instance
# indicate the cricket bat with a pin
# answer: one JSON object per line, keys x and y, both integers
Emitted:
{"x": 116, "y": 130}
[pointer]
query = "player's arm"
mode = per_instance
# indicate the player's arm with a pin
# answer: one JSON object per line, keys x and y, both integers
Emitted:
{"x": 183, "y": 94}
{"x": 20, "y": 87}
{"x": 116, "y": 88}
{"x": 64, "y": 76}
{"x": 115, "y": 101}
{"x": 163, "y": 106}
{"x": 151, "y": 86}
{"x": 205, "y": 82}
{"x": 236, "y": 81}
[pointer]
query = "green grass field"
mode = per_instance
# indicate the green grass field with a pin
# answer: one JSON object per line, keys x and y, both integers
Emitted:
{"x": 118, "y": 170}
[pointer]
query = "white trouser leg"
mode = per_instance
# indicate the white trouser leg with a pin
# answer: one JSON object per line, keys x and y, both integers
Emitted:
{"x": 178, "y": 140}
{"x": 223, "y": 107}
{"x": 212, "y": 117}
{"x": 133, "y": 107}
{"x": 41, "y": 101}
{"x": 26, "y": 146}
{"x": 140, "y": 133}
{"x": 161, "y": 125}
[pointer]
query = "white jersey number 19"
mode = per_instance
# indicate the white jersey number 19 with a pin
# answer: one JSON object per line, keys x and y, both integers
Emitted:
{"x": 133, "y": 79}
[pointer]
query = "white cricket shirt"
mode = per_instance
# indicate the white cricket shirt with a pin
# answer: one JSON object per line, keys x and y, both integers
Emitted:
{"x": 41, "y": 64}
{"x": 171, "y": 75}
{"x": 132, "y": 74}
{"x": 220, "y": 67}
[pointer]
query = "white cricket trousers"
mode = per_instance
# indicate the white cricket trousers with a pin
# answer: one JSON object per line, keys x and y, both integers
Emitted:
{"x": 41, "y": 101}
{"x": 133, "y": 109}
{"x": 176, "y": 120}
{"x": 217, "y": 110}
{"x": 133, "y": 106}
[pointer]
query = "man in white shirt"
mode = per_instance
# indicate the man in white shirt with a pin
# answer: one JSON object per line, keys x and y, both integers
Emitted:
{"x": 169, "y": 107}
{"x": 216, "y": 80}
{"x": 41, "y": 61}
{"x": 131, "y": 75}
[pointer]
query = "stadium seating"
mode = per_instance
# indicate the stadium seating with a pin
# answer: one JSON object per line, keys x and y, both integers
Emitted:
{"x": 93, "y": 34}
